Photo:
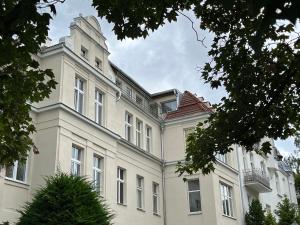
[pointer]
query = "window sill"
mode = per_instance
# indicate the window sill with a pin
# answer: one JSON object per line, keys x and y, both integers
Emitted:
{"x": 16, "y": 183}
{"x": 279, "y": 195}
{"x": 194, "y": 213}
{"x": 139, "y": 209}
{"x": 230, "y": 217}
{"x": 122, "y": 204}
{"x": 156, "y": 214}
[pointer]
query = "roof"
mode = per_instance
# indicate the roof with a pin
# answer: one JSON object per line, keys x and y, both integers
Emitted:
{"x": 164, "y": 93}
{"x": 189, "y": 104}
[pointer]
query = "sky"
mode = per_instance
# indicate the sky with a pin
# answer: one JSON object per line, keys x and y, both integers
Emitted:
{"x": 168, "y": 58}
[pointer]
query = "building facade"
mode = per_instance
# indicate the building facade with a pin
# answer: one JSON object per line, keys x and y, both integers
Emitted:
{"x": 100, "y": 123}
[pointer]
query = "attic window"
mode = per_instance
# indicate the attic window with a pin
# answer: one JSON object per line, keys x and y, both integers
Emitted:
{"x": 98, "y": 63}
{"x": 168, "y": 106}
{"x": 84, "y": 52}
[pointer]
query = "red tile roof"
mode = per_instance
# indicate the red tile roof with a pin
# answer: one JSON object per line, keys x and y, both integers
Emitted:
{"x": 189, "y": 104}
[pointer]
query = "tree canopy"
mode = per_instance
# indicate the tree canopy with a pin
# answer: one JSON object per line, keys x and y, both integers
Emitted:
{"x": 254, "y": 55}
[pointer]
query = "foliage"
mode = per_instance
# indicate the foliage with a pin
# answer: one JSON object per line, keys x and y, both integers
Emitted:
{"x": 286, "y": 212}
{"x": 65, "y": 200}
{"x": 255, "y": 215}
{"x": 269, "y": 219}
{"x": 22, "y": 30}
{"x": 254, "y": 56}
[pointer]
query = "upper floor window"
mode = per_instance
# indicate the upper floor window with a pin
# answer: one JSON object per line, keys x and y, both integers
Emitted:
{"x": 78, "y": 95}
{"x": 98, "y": 107}
{"x": 97, "y": 173}
{"x": 263, "y": 168}
{"x": 222, "y": 157}
{"x": 187, "y": 132}
{"x": 155, "y": 190}
{"x": 148, "y": 138}
{"x": 169, "y": 106}
{"x": 121, "y": 194}
{"x": 140, "y": 192}
{"x": 119, "y": 83}
{"x": 128, "y": 127}
{"x": 139, "y": 133}
{"x": 226, "y": 198}
{"x": 98, "y": 63}
{"x": 252, "y": 161}
{"x": 17, "y": 171}
{"x": 76, "y": 160}
{"x": 128, "y": 92}
{"x": 84, "y": 52}
{"x": 139, "y": 100}
{"x": 277, "y": 182}
{"x": 194, "y": 195}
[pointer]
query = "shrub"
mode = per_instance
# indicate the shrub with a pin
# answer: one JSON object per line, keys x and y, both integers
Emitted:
{"x": 269, "y": 219}
{"x": 255, "y": 216}
{"x": 286, "y": 212}
{"x": 65, "y": 200}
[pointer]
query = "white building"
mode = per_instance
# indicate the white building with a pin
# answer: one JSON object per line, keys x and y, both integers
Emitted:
{"x": 100, "y": 123}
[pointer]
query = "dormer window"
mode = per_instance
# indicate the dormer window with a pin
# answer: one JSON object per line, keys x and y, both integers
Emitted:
{"x": 84, "y": 52}
{"x": 98, "y": 63}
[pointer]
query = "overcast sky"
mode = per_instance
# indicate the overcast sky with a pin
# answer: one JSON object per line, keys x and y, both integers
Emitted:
{"x": 167, "y": 59}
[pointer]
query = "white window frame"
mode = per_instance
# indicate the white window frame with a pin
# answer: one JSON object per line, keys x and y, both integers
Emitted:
{"x": 148, "y": 136}
{"x": 193, "y": 191}
{"x": 77, "y": 93}
{"x": 119, "y": 181}
{"x": 155, "y": 195}
{"x": 140, "y": 189}
{"x": 15, "y": 170}
{"x": 76, "y": 161}
{"x": 99, "y": 106}
{"x": 139, "y": 133}
{"x": 96, "y": 171}
{"x": 226, "y": 192}
{"x": 128, "y": 124}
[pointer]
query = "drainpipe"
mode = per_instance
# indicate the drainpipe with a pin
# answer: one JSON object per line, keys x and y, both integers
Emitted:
{"x": 162, "y": 126}
{"x": 241, "y": 184}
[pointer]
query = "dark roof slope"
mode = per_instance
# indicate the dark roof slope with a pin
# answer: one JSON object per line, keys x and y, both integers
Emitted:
{"x": 188, "y": 105}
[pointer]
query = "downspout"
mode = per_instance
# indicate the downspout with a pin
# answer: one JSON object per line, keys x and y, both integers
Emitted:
{"x": 162, "y": 126}
{"x": 241, "y": 184}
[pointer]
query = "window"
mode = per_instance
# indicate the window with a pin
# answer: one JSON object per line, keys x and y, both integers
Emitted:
{"x": 97, "y": 173}
{"x": 268, "y": 208}
{"x": 139, "y": 133}
{"x": 245, "y": 159}
{"x": 140, "y": 192}
{"x": 148, "y": 138}
{"x": 98, "y": 63}
{"x": 168, "y": 106}
{"x": 17, "y": 171}
{"x": 251, "y": 161}
{"x": 155, "y": 190}
{"x": 78, "y": 95}
{"x": 222, "y": 157}
{"x": 121, "y": 185}
{"x": 98, "y": 107}
{"x": 128, "y": 127}
{"x": 76, "y": 161}
{"x": 277, "y": 183}
{"x": 128, "y": 92}
{"x": 194, "y": 195}
{"x": 119, "y": 83}
{"x": 226, "y": 198}
{"x": 263, "y": 169}
{"x": 139, "y": 100}
{"x": 84, "y": 52}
